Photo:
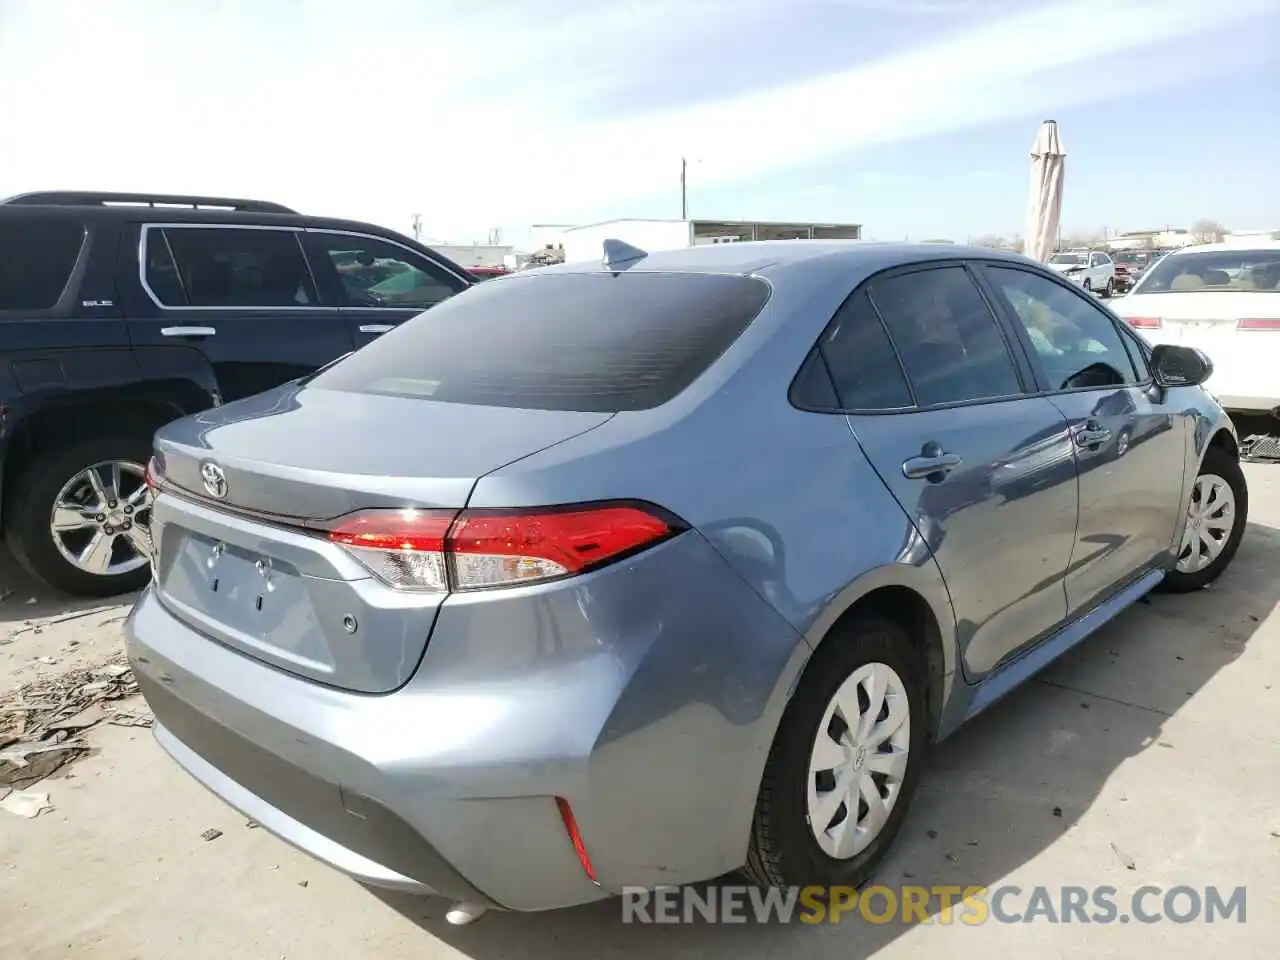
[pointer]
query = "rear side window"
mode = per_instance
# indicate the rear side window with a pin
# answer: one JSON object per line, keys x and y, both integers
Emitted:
{"x": 227, "y": 267}
{"x": 36, "y": 260}
{"x": 863, "y": 365}
{"x": 588, "y": 342}
{"x": 948, "y": 339}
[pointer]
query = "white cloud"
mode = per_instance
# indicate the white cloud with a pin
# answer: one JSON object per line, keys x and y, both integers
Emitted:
{"x": 471, "y": 113}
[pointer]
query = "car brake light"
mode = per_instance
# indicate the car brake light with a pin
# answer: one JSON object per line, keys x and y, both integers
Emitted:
{"x": 1259, "y": 323}
{"x": 435, "y": 551}
{"x": 1143, "y": 323}
{"x": 151, "y": 475}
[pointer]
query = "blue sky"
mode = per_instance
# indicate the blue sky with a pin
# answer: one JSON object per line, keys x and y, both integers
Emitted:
{"x": 913, "y": 117}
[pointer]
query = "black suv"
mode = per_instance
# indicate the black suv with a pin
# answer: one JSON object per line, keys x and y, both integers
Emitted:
{"x": 120, "y": 312}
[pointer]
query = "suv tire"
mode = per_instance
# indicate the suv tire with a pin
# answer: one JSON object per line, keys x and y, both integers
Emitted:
{"x": 1218, "y": 466}
{"x": 784, "y": 848}
{"x": 29, "y": 529}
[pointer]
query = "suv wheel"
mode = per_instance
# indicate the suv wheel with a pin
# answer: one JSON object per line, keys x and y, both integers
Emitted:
{"x": 1088, "y": 285}
{"x": 1216, "y": 519}
{"x": 79, "y": 517}
{"x": 844, "y": 763}
{"x": 1110, "y": 289}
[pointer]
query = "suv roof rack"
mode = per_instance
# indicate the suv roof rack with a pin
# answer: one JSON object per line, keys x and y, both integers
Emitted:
{"x": 67, "y": 198}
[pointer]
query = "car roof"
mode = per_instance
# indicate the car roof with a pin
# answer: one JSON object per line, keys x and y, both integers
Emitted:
{"x": 773, "y": 258}
{"x": 1237, "y": 244}
{"x": 255, "y": 213}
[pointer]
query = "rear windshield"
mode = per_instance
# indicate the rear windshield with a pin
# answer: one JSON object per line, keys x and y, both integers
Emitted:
{"x": 588, "y": 342}
{"x": 1215, "y": 271}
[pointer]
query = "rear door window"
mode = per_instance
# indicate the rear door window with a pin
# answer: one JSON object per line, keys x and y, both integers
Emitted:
{"x": 861, "y": 359}
{"x": 37, "y": 256}
{"x": 367, "y": 272}
{"x": 227, "y": 267}
{"x": 949, "y": 340}
{"x": 586, "y": 342}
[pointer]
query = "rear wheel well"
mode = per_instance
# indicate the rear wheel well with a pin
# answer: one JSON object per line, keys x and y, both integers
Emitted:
{"x": 912, "y": 612}
{"x": 55, "y": 427}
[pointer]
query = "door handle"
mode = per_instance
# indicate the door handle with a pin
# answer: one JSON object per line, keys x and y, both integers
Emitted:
{"x": 1092, "y": 434}
{"x": 188, "y": 331}
{"x": 928, "y": 465}
{"x": 377, "y": 327}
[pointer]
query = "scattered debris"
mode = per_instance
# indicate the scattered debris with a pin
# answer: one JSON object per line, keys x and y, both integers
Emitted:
{"x": 5, "y": 594}
{"x": 1057, "y": 811}
{"x": 971, "y": 843}
{"x": 1260, "y": 448}
{"x": 1083, "y": 705}
{"x": 303, "y": 883}
{"x": 1124, "y": 858}
{"x": 213, "y": 833}
{"x": 30, "y": 626}
{"x": 48, "y": 661}
{"x": 38, "y": 720}
{"x": 23, "y": 804}
{"x": 1253, "y": 618}
{"x": 931, "y": 834}
{"x": 1166, "y": 744}
{"x": 123, "y": 718}
{"x": 1275, "y": 833}
{"x": 252, "y": 824}
{"x": 1176, "y": 657}
{"x": 952, "y": 858}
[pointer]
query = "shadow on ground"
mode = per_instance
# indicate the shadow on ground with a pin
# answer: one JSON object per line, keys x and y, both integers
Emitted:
{"x": 23, "y": 598}
{"x": 996, "y": 795}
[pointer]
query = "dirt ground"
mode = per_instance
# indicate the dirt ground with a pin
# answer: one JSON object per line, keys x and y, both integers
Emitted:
{"x": 1149, "y": 755}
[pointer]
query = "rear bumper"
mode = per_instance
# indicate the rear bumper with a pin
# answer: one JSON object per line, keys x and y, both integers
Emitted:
{"x": 646, "y": 694}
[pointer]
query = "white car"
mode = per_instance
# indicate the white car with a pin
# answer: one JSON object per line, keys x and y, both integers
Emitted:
{"x": 1224, "y": 299}
{"x": 1092, "y": 269}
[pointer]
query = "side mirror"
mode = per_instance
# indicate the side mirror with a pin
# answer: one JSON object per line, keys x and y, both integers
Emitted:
{"x": 1176, "y": 366}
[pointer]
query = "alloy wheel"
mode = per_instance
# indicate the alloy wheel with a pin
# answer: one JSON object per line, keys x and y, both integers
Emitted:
{"x": 101, "y": 519}
{"x": 859, "y": 760}
{"x": 1210, "y": 520}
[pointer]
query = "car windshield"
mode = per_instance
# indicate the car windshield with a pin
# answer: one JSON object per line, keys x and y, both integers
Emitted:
{"x": 1070, "y": 259}
{"x": 1215, "y": 271}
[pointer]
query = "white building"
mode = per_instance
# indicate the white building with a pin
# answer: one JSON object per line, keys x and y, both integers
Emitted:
{"x": 476, "y": 254}
{"x": 586, "y": 242}
{"x": 1151, "y": 239}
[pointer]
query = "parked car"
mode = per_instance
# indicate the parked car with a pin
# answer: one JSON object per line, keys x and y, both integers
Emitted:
{"x": 1092, "y": 269}
{"x": 487, "y": 273}
{"x": 640, "y": 572}
{"x": 120, "y": 312}
{"x": 1225, "y": 300}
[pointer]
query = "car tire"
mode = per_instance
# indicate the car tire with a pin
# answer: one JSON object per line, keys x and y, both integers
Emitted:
{"x": 785, "y": 850}
{"x": 1218, "y": 468}
{"x": 1087, "y": 284}
{"x": 1109, "y": 290}
{"x": 29, "y": 531}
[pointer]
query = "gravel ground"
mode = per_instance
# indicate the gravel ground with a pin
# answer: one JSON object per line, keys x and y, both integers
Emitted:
{"x": 1150, "y": 755}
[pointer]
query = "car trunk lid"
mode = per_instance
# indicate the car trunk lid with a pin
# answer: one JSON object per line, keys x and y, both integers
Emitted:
{"x": 248, "y": 489}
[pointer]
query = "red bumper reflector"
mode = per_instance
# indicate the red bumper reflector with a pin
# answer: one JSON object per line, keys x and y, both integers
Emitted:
{"x": 580, "y": 848}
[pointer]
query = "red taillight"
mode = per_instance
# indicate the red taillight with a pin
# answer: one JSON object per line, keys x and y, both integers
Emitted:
{"x": 1143, "y": 323}
{"x": 441, "y": 550}
{"x": 1259, "y": 323}
{"x": 575, "y": 837}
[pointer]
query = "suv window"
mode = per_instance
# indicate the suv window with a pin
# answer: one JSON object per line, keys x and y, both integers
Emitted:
{"x": 36, "y": 260}
{"x": 577, "y": 341}
{"x": 949, "y": 341}
{"x": 376, "y": 273}
{"x": 860, "y": 357}
{"x": 227, "y": 267}
{"x": 1076, "y": 344}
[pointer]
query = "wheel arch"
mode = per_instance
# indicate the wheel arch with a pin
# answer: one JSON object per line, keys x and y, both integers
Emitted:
{"x": 918, "y": 602}
{"x": 77, "y": 417}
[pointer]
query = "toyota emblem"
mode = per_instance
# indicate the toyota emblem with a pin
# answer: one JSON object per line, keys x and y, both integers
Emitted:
{"x": 215, "y": 481}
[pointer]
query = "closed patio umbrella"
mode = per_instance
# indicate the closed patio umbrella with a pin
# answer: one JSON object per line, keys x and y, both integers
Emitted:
{"x": 1048, "y": 165}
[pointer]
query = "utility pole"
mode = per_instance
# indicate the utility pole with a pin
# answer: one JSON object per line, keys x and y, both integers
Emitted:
{"x": 684, "y": 188}
{"x": 417, "y": 227}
